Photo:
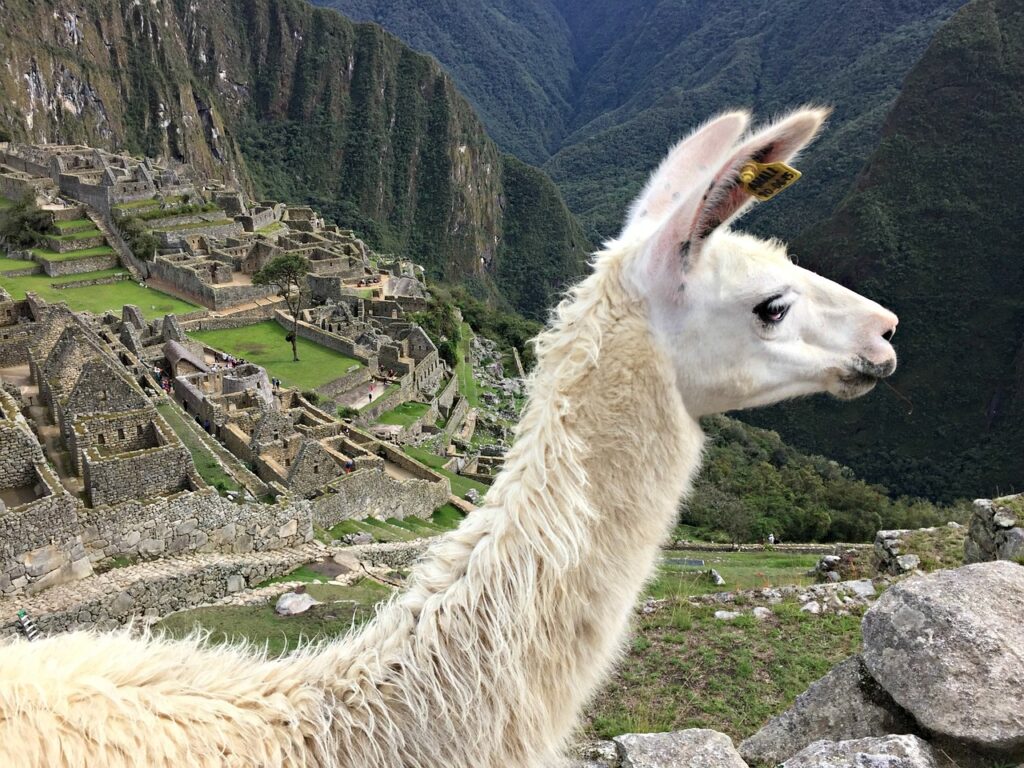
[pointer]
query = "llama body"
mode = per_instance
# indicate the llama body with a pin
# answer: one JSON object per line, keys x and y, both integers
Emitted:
{"x": 514, "y": 619}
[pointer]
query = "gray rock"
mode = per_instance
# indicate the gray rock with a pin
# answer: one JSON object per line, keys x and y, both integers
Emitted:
{"x": 845, "y": 704}
{"x": 832, "y": 576}
{"x": 908, "y": 562}
{"x": 716, "y": 578}
{"x": 727, "y": 615}
{"x": 811, "y": 606}
{"x": 292, "y": 603}
{"x": 680, "y": 749}
{"x": 236, "y": 582}
{"x": 862, "y": 588}
{"x": 947, "y": 647}
{"x": 761, "y": 613}
{"x": 1003, "y": 518}
{"x": 880, "y": 752}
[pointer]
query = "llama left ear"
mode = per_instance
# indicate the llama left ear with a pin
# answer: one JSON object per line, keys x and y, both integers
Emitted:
{"x": 688, "y": 227}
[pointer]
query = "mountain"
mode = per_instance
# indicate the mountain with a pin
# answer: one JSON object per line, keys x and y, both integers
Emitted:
{"x": 932, "y": 230}
{"x": 294, "y": 103}
{"x": 604, "y": 87}
{"x": 512, "y": 58}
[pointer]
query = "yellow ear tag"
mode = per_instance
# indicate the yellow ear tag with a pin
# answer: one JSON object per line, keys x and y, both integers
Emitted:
{"x": 765, "y": 180}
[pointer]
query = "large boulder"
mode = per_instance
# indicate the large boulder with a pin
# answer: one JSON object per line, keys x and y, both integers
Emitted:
{"x": 845, "y": 704}
{"x": 679, "y": 749}
{"x": 882, "y": 752}
{"x": 294, "y": 603}
{"x": 948, "y": 648}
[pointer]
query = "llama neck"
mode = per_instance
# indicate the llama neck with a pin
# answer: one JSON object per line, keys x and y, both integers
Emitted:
{"x": 512, "y": 620}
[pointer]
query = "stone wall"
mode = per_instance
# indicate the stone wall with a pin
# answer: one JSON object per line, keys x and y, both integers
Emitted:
{"x": 996, "y": 530}
{"x": 373, "y": 493}
{"x": 217, "y": 231}
{"x": 325, "y": 339}
{"x": 153, "y": 589}
{"x": 94, "y": 281}
{"x": 145, "y": 473}
{"x": 90, "y": 194}
{"x": 455, "y": 418}
{"x": 188, "y": 283}
{"x": 78, "y": 266}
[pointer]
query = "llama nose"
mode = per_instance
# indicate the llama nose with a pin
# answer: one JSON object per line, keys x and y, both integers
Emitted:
{"x": 889, "y": 334}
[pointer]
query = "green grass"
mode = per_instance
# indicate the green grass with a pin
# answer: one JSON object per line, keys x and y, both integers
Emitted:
{"x": 11, "y": 265}
{"x": 941, "y": 547}
{"x": 202, "y": 456}
{"x": 404, "y": 415}
{"x": 5, "y": 203}
{"x": 83, "y": 253}
{"x": 741, "y": 570}
{"x": 264, "y": 344}
{"x": 147, "y": 203}
{"x": 194, "y": 225}
{"x": 448, "y": 516}
{"x": 464, "y": 368}
{"x": 98, "y": 298}
{"x": 460, "y": 485}
{"x": 343, "y": 607}
{"x": 80, "y": 235}
{"x": 75, "y": 224}
{"x": 686, "y": 669}
{"x": 270, "y": 228}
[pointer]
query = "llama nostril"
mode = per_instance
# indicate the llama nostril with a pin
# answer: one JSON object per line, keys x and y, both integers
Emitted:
{"x": 889, "y": 334}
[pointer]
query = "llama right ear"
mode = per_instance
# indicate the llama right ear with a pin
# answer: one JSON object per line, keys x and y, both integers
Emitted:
{"x": 722, "y": 197}
{"x": 688, "y": 166}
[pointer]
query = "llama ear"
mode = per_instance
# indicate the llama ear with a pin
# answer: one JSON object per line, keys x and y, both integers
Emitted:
{"x": 726, "y": 197}
{"x": 688, "y": 165}
{"x": 678, "y": 240}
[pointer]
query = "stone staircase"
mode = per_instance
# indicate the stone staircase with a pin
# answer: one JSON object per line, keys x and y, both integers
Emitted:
{"x": 115, "y": 241}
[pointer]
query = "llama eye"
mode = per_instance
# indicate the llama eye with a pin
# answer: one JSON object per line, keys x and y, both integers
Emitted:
{"x": 771, "y": 311}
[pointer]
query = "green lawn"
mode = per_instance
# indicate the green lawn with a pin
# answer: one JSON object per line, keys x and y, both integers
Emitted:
{"x": 464, "y": 369}
{"x": 147, "y": 203}
{"x": 342, "y": 608}
{"x": 98, "y": 298}
{"x": 202, "y": 455}
{"x": 84, "y": 253}
{"x": 265, "y": 344}
{"x": 75, "y": 224}
{"x": 741, "y": 570}
{"x": 11, "y": 265}
{"x": 404, "y": 415}
{"x": 91, "y": 232}
{"x": 194, "y": 225}
{"x": 686, "y": 669}
{"x": 459, "y": 483}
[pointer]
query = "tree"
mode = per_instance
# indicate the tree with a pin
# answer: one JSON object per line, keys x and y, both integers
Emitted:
{"x": 288, "y": 274}
{"x": 24, "y": 224}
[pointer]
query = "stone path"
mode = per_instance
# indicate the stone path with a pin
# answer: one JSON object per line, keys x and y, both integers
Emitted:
{"x": 152, "y": 588}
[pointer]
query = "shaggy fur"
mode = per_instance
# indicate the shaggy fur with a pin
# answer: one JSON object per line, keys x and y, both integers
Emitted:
{"x": 509, "y": 623}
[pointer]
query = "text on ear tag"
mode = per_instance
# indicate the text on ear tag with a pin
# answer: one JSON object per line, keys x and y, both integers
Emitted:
{"x": 765, "y": 180}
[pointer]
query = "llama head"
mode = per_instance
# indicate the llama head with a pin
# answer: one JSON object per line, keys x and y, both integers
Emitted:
{"x": 743, "y": 324}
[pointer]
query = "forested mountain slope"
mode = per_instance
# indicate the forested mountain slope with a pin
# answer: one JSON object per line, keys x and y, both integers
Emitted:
{"x": 604, "y": 87}
{"x": 295, "y": 102}
{"x": 932, "y": 230}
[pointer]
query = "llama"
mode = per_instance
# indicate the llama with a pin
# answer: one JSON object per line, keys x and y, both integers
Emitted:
{"x": 511, "y": 621}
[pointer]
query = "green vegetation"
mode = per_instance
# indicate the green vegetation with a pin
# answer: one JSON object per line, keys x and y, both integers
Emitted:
{"x": 12, "y": 265}
{"x": 741, "y": 570}
{"x": 287, "y": 273}
{"x": 22, "y": 224}
{"x": 686, "y": 669}
{"x": 266, "y": 344}
{"x": 752, "y": 484}
{"x": 76, "y": 235}
{"x": 75, "y": 225}
{"x": 343, "y": 608}
{"x": 460, "y": 485}
{"x": 403, "y": 415}
{"x": 82, "y": 253}
{"x": 193, "y": 225}
{"x": 202, "y": 455}
{"x": 134, "y": 205}
{"x": 175, "y": 210}
{"x": 97, "y": 298}
{"x": 140, "y": 240}
{"x": 940, "y": 547}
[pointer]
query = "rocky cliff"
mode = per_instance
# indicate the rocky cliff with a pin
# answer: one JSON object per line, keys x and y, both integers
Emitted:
{"x": 288, "y": 100}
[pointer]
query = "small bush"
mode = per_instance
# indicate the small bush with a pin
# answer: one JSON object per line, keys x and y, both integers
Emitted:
{"x": 312, "y": 396}
{"x": 347, "y": 412}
